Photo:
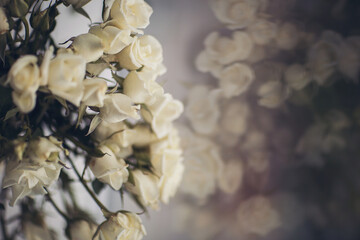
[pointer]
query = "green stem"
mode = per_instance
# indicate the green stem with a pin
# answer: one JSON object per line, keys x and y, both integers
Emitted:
{"x": 105, "y": 211}
{"x": 67, "y": 219}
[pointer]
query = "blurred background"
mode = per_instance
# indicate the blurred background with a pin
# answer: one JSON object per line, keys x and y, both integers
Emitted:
{"x": 271, "y": 152}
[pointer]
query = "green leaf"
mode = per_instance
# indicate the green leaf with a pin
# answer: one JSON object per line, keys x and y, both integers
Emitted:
{"x": 11, "y": 113}
{"x": 82, "y": 12}
{"x": 97, "y": 186}
{"x": 94, "y": 123}
{"x": 82, "y": 111}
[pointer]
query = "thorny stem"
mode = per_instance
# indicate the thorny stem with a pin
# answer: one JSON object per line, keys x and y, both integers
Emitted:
{"x": 105, "y": 211}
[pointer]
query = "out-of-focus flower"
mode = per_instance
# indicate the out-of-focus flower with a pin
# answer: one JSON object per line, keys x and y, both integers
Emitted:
{"x": 258, "y": 161}
{"x": 66, "y": 75}
{"x": 297, "y": 76}
{"x": 272, "y": 94}
{"x": 143, "y": 51}
{"x": 24, "y": 101}
{"x": 235, "y": 79}
{"x": 118, "y": 107}
{"x": 141, "y": 87}
{"x": 24, "y": 75}
{"x": 348, "y": 58}
{"x": 122, "y": 226}
{"x": 257, "y": 54}
{"x": 202, "y": 109}
{"x": 231, "y": 177}
{"x": 234, "y": 118}
{"x": 235, "y": 13}
{"x": 338, "y": 120}
{"x": 204, "y": 63}
{"x": 227, "y": 50}
{"x": 35, "y": 232}
{"x": 287, "y": 36}
{"x": 94, "y": 92}
{"x": 128, "y": 14}
{"x": 89, "y": 46}
{"x": 82, "y": 230}
{"x": 4, "y": 25}
{"x": 203, "y": 167}
{"x": 109, "y": 169}
{"x": 113, "y": 39}
{"x": 257, "y": 216}
{"x": 321, "y": 61}
{"x": 161, "y": 113}
{"x": 263, "y": 31}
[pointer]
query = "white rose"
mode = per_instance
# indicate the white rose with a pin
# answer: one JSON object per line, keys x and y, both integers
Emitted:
{"x": 88, "y": 46}
{"x": 204, "y": 63}
{"x": 43, "y": 150}
{"x": 256, "y": 215}
{"x": 113, "y": 39}
{"x": 118, "y": 107}
{"x": 287, "y": 37}
{"x": 161, "y": 113}
{"x": 226, "y": 50}
{"x": 94, "y": 92}
{"x": 139, "y": 136}
{"x": 231, "y": 177}
{"x": 235, "y": 13}
{"x": 128, "y": 14}
{"x": 143, "y": 51}
{"x": 202, "y": 109}
{"x": 66, "y": 75}
{"x": 94, "y": 69}
{"x": 272, "y": 94}
{"x": 263, "y": 31}
{"x": 82, "y": 230}
{"x": 28, "y": 179}
{"x": 108, "y": 169}
{"x": 297, "y": 76}
{"x": 4, "y": 25}
{"x": 166, "y": 159}
{"x": 234, "y": 119}
{"x": 25, "y": 101}
{"x": 141, "y": 87}
{"x": 24, "y": 75}
{"x": 106, "y": 129}
{"x": 122, "y": 226}
{"x": 236, "y": 79}
{"x": 203, "y": 167}
{"x": 145, "y": 187}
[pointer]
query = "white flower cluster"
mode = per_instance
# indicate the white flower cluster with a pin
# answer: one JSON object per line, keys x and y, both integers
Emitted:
{"x": 35, "y": 165}
{"x": 131, "y": 120}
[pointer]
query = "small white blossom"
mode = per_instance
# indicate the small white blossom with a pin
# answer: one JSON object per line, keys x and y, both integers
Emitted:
{"x": 108, "y": 169}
